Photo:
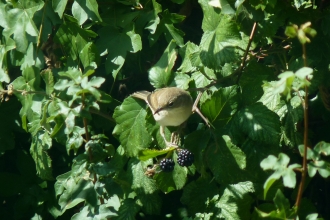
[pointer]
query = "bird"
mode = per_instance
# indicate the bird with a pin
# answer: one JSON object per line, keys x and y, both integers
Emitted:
{"x": 170, "y": 106}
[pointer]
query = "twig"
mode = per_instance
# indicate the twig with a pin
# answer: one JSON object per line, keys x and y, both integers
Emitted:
{"x": 246, "y": 51}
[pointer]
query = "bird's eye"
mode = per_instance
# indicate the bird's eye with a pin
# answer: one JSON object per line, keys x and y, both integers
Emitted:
{"x": 170, "y": 104}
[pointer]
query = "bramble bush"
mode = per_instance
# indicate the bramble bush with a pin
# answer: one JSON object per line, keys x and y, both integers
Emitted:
{"x": 75, "y": 145}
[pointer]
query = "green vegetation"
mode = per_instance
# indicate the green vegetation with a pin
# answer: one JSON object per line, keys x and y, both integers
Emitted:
{"x": 75, "y": 145}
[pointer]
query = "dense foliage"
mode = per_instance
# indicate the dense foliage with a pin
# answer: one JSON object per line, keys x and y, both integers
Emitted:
{"x": 74, "y": 144}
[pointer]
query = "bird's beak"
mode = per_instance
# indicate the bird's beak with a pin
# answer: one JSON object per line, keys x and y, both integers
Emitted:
{"x": 158, "y": 110}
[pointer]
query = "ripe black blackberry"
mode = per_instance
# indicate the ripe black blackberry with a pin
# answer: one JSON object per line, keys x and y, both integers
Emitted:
{"x": 185, "y": 158}
{"x": 167, "y": 165}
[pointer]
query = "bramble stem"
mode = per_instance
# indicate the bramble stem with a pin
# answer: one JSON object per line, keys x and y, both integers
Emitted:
{"x": 304, "y": 168}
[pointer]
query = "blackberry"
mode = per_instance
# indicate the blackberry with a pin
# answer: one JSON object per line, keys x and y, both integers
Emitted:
{"x": 167, "y": 165}
{"x": 185, "y": 158}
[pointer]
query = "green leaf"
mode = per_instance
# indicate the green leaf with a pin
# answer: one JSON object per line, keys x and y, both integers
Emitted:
{"x": 226, "y": 156}
{"x": 197, "y": 192}
{"x": 40, "y": 143}
{"x": 281, "y": 168}
{"x": 77, "y": 192}
{"x": 282, "y": 210}
{"x": 182, "y": 81}
{"x": 304, "y": 76}
{"x": 19, "y": 23}
{"x": 185, "y": 52}
{"x": 140, "y": 180}
{"x": 85, "y": 9}
{"x": 258, "y": 123}
{"x": 221, "y": 107}
{"x": 220, "y": 38}
{"x": 48, "y": 78}
{"x": 151, "y": 153}
{"x": 127, "y": 210}
{"x": 4, "y": 48}
{"x": 116, "y": 44}
{"x": 89, "y": 55}
{"x": 161, "y": 75}
{"x": 235, "y": 202}
{"x": 59, "y": 6}
{"x": 251, "y": 82}
{"x": 131, "y": 126}
{"x": 175, "y": 180}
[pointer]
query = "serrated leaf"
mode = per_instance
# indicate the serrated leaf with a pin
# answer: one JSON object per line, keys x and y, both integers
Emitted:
{"x": 128, "y": 210}
{"x": 226, "y": 156}
{"x": 221, "y": 107}
{"x": 220, "y": 38}
{"x": 131, "y": 126}
{"x": 185, "y": 52}
{"x": 141, "y": 181}
{"x": 258, "y": 123}
{"x": 39, "y": 154}
{"x": 161, "y": 75}
{"x": 235, "y": 201}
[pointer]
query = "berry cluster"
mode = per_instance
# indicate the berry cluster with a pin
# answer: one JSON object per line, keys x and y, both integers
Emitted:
{"x": 167, "y": 165}
{"x": 185, "y": 158}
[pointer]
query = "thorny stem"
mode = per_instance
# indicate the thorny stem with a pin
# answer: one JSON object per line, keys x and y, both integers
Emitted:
{"x": 304, "y": 168}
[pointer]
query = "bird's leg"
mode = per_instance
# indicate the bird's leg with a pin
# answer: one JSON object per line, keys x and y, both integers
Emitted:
{"x": 168, "y": 144}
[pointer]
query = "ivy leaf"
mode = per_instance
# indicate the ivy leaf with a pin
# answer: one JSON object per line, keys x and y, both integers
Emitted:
{"x": 161, "y": 75}
{"x": 281, "y": 168}
{"x": 84, "y": 9}
{"x": 19, "y": 23}
{"x": 131, "y": 126}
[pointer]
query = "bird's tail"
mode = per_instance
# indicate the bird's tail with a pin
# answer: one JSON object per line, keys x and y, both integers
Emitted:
{"x": 141, "y": 95}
